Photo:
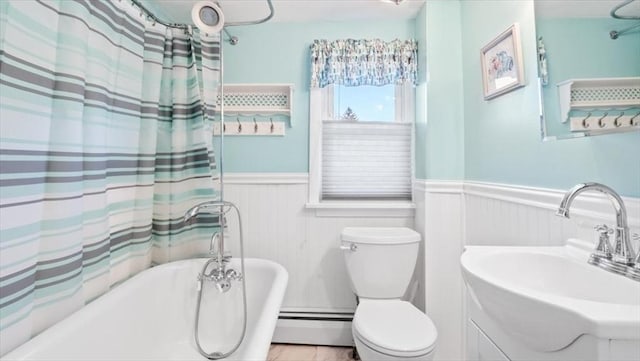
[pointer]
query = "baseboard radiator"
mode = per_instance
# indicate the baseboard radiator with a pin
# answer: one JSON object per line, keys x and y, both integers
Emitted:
{"x": 314, "y": 328}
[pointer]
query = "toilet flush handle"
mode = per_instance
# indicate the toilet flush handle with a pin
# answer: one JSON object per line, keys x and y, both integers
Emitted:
{"x": 352, "y": 247}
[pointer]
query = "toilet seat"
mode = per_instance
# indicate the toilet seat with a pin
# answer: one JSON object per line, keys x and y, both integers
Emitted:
{"x": 394, "y": 327}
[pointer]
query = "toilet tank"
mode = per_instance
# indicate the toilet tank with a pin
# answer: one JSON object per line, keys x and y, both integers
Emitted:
{"x": 380, "y": 260}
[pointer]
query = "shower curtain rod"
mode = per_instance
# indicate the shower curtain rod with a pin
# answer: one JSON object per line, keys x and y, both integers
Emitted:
{"x": 615, "y": 9}
{"x": 233, "y": 40}
{"x": 614, "y": 34}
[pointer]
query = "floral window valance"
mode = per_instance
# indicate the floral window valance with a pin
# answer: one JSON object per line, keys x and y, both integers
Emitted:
{"x": 363, "y": 62}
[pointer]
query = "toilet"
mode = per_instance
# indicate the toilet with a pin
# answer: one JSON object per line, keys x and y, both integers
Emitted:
{"x": 380, "y": 262}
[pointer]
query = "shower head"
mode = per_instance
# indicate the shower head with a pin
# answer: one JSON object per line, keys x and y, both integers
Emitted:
{"x": 207, "y": 16}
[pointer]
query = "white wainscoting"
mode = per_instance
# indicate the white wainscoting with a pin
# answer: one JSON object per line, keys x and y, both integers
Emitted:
{"x": 278, "y": 226}
{"x": 453, "y": 214}
{"x": 498, "y": 214}
{"x": 439, "y": 210}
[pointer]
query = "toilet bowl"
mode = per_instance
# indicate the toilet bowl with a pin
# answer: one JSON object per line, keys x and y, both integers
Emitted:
{"x": 392, "y": 330}
{"x": 380, "y": 263}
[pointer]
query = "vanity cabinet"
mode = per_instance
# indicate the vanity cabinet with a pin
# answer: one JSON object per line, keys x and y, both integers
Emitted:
{"x": 487, "y": 341}
{"x": 480, "y": 347}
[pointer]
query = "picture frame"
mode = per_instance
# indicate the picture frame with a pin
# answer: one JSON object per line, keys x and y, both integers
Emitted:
{"x": 502, "y": 66}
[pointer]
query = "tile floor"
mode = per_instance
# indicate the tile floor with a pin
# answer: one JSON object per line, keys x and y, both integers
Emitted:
{"x": 283, "y": 352}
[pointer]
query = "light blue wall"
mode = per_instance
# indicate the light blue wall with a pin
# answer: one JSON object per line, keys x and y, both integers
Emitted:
{"x": 420, "y": 146}
{"x": 582, "y": 48}
{"x": 502, "y": 138}
{"x": 458, "y": 134}
{"x": 440, "y": 134}
{"x": 279, "y": 53}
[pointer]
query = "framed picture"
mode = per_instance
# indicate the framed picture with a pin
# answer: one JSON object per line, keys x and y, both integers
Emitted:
{"x": 502, "y": 68}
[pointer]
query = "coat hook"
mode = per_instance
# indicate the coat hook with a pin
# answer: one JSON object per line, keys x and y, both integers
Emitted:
{"x": 600, "y": 123}
{"x": 255, "y": 126}
{"x": 239, "y": 125}
{"x": 615, "y": 121}
{"x": 584, "y": 121}
{"x": 631, "y": 121}
{"x": 272, "y": 127}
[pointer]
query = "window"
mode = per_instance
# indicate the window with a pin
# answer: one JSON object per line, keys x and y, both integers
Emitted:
{"x": 365, "y": 103}
{"x": 361, "y": 122}
{"x": 361, "y": 145}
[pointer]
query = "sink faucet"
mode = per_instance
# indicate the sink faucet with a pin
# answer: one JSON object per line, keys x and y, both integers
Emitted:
{"x": 622, "y": 250}
{"x": 621, "y": 260}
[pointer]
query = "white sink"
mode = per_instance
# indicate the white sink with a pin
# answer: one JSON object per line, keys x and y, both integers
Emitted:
{"x": 548, "y": 296}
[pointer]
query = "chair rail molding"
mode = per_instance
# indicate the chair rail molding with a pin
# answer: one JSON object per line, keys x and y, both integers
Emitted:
{"x": 592, "y": 205}
{"x": 438, "y": 186}
{"x": 266, "y": 178}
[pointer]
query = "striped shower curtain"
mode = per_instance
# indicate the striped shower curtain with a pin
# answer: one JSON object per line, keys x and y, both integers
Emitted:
{"x": 103, "y": 146}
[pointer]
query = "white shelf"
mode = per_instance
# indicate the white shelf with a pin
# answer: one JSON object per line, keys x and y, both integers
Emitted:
{"x": 257, "y": 99}
{"x": 598, "y": 93}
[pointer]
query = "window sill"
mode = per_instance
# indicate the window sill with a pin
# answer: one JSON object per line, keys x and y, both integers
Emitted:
{"x": 400, "y": 209}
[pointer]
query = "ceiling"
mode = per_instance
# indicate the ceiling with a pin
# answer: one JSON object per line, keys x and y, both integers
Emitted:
{"x": 583, "y": 8}
{"x": 179, "y": 11}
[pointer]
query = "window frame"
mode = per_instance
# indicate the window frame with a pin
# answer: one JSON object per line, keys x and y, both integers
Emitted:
{"x": 321, "y": 105}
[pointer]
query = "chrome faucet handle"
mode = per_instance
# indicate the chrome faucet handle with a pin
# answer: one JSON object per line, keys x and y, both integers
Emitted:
{"x": 232, "y": 274}
{"x": 603, "y": 249}
{"x": 622, "y": 249}
{"x": 603, "y": 228}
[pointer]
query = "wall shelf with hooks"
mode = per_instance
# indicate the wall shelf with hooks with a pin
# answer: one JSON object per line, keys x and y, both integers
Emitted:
{"x": 599, "y": 94}
{"x": 607, "y": 122}
{"x": 258, "y": 99}
{"x": 251, "y": 128}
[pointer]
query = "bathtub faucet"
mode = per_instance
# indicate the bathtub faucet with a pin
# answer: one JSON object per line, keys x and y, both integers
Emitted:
{"x": 217, "y": 269}
{"x": 216, "y": 248}
{"x": 219, "y": 274}
{"x": 211, "y": 207}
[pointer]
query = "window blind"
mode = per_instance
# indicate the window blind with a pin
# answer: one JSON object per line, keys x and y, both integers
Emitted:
{"x": 366, "y": 160}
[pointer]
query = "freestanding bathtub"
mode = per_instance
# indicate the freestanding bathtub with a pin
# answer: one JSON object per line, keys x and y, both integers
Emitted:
{"x": 151, "y": 317}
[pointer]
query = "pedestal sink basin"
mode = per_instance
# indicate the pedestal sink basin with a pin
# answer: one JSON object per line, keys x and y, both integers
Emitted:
{"x": 547, "y": 297}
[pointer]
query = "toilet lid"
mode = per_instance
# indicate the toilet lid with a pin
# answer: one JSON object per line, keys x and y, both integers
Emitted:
{"x": 394, "y": 327}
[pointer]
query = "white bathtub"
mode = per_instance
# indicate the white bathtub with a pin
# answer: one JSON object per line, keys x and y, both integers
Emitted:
{"x": 151, "y": 317}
